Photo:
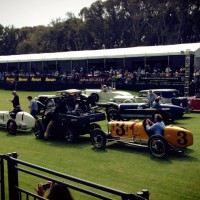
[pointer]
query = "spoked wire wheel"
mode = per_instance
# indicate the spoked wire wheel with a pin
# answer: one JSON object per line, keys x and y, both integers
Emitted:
{"x": 158, "y": 146}
{"x": 98, "y": 138}
{"x": 11, "y": 127}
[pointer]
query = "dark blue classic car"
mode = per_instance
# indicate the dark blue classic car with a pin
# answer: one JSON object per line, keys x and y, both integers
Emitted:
{"x": 126, "y": 111}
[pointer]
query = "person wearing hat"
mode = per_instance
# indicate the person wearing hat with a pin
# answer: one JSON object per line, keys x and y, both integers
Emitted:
{"x": 33, "y": 106}
{"x": 15, "y": 101}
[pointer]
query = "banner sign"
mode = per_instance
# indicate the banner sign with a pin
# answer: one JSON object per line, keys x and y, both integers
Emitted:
{"x": 92, "y": 79}
{"x": 23, "y": 79}
{"x": 10, "y": 79}
{"x": 35, "y": 79}
{"x": 50, "y": 79}
{"x": 180, "y": 78}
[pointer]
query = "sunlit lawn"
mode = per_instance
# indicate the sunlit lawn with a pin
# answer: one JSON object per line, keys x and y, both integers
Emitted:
{"x": 121, "y": 167}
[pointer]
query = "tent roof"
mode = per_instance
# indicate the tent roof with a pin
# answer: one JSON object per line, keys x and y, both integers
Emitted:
{"x": 162, "y": 50}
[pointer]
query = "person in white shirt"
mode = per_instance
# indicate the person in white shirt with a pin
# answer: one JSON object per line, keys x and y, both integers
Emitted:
{"x": 151, "y": 96}
{"x": 33, "y": 106}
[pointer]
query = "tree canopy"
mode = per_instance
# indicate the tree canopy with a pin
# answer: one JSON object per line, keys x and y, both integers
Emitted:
{"x": 109, "y": 24}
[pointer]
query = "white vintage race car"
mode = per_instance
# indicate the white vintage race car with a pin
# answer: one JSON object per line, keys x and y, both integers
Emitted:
{"x": 104, "y": 96}
{"x": 20, "y": 121}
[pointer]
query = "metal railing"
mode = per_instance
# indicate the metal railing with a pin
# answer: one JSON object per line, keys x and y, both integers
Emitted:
{"x": 16, "y": 192}
{"x": 2, "y": 184}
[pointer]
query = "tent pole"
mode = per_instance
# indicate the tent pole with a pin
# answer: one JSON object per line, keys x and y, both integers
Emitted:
{"x": 168, "y": 60}
{"x": 30, "y": 70}
{"x": 124, "y": 63}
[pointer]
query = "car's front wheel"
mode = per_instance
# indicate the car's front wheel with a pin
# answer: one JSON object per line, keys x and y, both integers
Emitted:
{"x": 113, "y": 114}
{"x": 11, "y": 127}
{"x": 98, "y": 138}
{"x": 158, "y": 146}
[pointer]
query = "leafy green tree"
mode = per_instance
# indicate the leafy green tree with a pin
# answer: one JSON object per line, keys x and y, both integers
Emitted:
{"x": 109, "y": 24}
{"x": 9, "y": 40}
{"x": 93, "y": 18}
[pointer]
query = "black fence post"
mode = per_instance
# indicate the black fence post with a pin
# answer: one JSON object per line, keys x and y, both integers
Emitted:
{"x": 12, "y": 177}
{"x": 144, "y": 193}
{"x": 2, "y": 183}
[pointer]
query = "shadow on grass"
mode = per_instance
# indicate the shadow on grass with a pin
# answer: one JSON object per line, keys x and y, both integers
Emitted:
{"x": 195, "y": 111}
{"x": 3, "y": 130}
{"x": 115, "y": 146}
{"x": 19, "y": 133}
{"x": 81, "y": 142}
{"x": 182, "y": 119}
{"x": 184, "y": 156}
{"x": 178, "y": 156}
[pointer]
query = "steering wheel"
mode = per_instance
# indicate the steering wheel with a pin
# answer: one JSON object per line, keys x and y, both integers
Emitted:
{"x": 144, "y": 125}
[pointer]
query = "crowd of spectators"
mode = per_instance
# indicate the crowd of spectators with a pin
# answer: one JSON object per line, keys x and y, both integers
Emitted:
{"x": 112, "y": 75}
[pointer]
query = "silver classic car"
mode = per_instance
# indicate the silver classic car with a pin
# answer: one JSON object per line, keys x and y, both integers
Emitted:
{"x": 105, "y": 95}
{"x": 166, "y": 95}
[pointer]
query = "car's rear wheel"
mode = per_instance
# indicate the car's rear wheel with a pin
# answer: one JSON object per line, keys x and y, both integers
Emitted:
{"x": 113, "y": 114}
{"x": 11, "y": 127}
{"x": 98, "y": 138}
{"x": 158, "y": 146}
{"x": 70, "y": 136}
{"x": 38, "y": 130}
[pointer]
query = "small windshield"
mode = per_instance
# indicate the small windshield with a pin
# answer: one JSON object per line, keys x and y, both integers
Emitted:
{"x": 143, "y": 94}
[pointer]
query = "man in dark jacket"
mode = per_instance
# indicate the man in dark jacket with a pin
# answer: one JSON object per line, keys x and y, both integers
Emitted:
{"x": 15, "y": 101}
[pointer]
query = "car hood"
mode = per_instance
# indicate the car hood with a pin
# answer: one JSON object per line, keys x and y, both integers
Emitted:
{"x": 144, "y": 105}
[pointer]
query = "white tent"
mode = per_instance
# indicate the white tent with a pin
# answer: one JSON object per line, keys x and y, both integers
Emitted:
{"x": 143, "y": 51}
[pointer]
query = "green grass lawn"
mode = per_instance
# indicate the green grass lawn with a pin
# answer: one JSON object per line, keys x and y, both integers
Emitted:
{"x": 121, "y": 167}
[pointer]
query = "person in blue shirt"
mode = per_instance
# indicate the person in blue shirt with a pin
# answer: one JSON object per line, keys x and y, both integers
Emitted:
{"x": 156, "y": 127}
{"x": 156, "y": 103}
{"x": 33, "y": 106}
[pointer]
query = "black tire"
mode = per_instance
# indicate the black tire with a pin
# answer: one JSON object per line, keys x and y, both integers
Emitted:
{"x": 158, "y": 146}
{"x": 93, "y": 126}
{"x": 95, "y": 96}
{"x": 98, "y": 138}
{"x": 113, "y": 114}
{"x": 38, "y": 130}
{"x": 70, "y": 136}
{"x": 11, "y": 127}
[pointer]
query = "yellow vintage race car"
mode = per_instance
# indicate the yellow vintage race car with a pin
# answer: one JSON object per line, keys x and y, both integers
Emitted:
{"x": 134, "y": 133}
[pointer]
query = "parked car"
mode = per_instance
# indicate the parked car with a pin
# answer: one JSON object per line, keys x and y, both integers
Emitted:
{"x": 16, "y": 121}
{"x": 79, "y": 118}
{"x": 103, "y": 96}
{"x": 41, "y": 101}
{"x": 194, "y": 102}
{"x": 127, "y": 111}
{"x": 134, "y": 133}
{"x": 43, "y": 97}
{"x": 181, "y": 101}
{"x": 166, "y": 95}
